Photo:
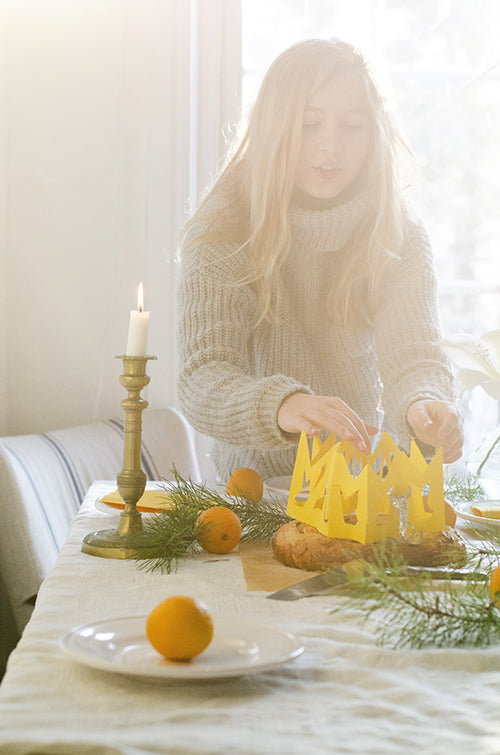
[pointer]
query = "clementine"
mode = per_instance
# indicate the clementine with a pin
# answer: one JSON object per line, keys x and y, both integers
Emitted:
{"x": 450, "y": 516}
{"x": 180, "y": 628}
{"x": 246, "y": 483}
{"x": 220, "y": 529}
{"x": 494, "y": 586}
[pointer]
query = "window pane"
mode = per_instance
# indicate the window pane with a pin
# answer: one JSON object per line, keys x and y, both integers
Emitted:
{"x": 438, "y": 64}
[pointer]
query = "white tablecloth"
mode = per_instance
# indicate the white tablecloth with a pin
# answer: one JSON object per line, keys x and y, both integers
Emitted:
{"x": 345, "y": 694}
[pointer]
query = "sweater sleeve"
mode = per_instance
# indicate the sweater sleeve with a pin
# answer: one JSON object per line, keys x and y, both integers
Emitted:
{"x": 411, "y": 361}
{"x": 217, "y": 391}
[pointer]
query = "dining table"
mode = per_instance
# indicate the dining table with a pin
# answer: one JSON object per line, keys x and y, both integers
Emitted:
{"x": 299, "y": 677}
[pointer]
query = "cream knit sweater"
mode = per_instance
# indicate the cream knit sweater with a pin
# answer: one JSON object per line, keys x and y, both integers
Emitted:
{"x": 235, "y": 373}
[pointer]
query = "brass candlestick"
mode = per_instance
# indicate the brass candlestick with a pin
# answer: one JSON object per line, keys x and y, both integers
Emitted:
{"x": 125, "y": 541}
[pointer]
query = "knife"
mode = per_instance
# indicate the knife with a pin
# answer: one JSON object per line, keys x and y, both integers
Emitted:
{"x": 338, "y": 577}
{"x": 330, "y": 580}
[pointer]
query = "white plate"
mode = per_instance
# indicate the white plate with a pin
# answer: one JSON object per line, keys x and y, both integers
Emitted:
{"x": 239, "y": 646}
{"x": 463, "y": 510}
{"x": 281, "y": 486}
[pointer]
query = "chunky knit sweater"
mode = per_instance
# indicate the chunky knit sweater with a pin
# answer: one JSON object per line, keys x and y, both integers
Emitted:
{"x": 236, "y": 372}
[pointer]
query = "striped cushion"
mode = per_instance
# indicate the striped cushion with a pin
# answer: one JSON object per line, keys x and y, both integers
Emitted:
{"x": 44, "y": 478}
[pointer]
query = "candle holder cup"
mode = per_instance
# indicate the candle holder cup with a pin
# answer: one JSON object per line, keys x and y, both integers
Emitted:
{"x": 125, "y": 540}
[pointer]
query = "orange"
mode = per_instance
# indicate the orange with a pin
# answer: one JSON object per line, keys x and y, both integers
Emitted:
{"x": 246, "y": 483}
{"x": 222, "y": 532}
{"x": 495, "y": 584}
{"x": 450, "y": 516}
{"x": 180, "y": 628}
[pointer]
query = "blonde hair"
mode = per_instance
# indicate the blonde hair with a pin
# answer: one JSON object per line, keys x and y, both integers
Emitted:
{"x": 258, "y": 180}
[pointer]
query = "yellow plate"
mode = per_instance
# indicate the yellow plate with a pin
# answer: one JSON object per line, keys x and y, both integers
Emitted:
{"x": 152, "y": 501}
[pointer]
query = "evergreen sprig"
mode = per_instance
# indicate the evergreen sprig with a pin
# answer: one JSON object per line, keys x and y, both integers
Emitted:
{"x": 413, "y": 611}
{"x": 172, "y": 535}
{"x": 457, "y": 617}
{"x": 464, "y": 488}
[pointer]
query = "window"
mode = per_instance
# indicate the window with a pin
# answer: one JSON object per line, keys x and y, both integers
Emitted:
{"x": 438, "y": 63}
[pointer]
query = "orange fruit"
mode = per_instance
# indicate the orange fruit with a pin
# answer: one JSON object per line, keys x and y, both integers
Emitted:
{"x": 180, "y": 628}
{"x": 495, "y": 584}
{"x": 450, "y": 516}
{"x": 222, "y": 532}
{"x": 246, "y": 483}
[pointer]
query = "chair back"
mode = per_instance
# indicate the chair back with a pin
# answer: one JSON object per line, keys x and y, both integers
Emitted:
{"x": 44, "y": 478}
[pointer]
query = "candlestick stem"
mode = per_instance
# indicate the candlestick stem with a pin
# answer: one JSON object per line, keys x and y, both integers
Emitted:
{"x": 124, "y": 542}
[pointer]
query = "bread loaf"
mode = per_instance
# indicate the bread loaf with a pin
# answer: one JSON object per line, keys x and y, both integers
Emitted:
{"x": 303, "y": 547}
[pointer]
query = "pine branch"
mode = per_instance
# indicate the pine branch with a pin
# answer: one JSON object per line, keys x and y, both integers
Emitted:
{"x": 457, "y": 617}
{"x": 172, "y": 535}
{"x": 464, "y": 488}
{"x": 167, "y": 539}
{"x": 259, "y": 521}
{"x": 410, "y": 610}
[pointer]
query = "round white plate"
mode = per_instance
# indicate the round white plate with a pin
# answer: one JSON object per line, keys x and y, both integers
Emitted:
{"x": 281, "y": 486}
{"x": 239, "y": 646}
{"x": 463, "y": 510}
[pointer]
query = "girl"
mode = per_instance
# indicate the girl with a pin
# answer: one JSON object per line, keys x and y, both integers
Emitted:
{"x": 307, "y": 299}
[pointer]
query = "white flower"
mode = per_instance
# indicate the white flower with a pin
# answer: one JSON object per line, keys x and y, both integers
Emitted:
{"x": 478, "y": 360}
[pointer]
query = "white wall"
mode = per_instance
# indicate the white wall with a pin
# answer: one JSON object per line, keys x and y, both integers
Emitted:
{"x": 98, "y": 131}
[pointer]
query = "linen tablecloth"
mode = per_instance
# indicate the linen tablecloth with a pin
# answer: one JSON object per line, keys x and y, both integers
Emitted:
{"x": 344, "y": 694}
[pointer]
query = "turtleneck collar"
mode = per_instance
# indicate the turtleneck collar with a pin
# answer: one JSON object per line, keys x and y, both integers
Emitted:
{"x": 328, "y": 228}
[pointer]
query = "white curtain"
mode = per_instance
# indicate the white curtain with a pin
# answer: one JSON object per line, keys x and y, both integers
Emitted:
{"x": 111, "y": 120}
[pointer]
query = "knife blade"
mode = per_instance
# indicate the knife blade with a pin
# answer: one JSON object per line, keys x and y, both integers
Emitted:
{"x": 332, "y": 579}
{"x": 460, "y": 574}
{"x": 338, "y": 577}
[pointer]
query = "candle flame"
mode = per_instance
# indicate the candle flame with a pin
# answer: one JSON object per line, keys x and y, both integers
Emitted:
{"x": 140, "y": 298}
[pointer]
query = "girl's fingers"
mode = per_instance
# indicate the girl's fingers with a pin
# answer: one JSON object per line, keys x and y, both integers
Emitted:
{"x": 302, "y": 411}
{"x": 347, "y": 429}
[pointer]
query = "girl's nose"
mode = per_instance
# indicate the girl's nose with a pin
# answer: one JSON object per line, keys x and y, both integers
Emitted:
{"x": 330, "y": 143}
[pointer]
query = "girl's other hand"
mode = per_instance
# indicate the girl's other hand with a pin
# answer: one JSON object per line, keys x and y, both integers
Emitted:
{"x": 439, "y": 424}
{"x": 301, "y": 411}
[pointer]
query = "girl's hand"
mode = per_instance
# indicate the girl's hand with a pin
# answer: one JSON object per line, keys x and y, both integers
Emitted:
{"x": 439, "y": 424}
{"x": 301, "y": 411}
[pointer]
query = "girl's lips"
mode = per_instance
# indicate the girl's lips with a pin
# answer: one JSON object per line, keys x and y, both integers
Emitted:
{"x": 327, "y": 171}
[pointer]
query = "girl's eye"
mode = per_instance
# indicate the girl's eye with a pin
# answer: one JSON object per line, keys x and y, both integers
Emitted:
{"x": 353, "y": 126}
{"x": 311, "y": 124}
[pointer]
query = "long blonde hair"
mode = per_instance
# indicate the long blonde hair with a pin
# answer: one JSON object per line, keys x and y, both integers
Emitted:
{"x": 258, "y": 180}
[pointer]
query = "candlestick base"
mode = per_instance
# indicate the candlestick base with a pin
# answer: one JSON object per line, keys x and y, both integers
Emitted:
{"x": 111, "y": 544}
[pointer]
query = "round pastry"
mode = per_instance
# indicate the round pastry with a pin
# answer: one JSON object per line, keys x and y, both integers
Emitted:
{"x": 304, "y": 547}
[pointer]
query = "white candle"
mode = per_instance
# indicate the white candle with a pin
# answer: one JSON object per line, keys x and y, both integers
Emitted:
{"x": 138, "y": 328}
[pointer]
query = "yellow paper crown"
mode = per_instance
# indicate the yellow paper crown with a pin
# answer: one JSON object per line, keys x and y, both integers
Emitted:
{"x": 367, "y": 498}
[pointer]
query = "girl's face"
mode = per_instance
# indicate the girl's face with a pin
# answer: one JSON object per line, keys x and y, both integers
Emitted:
{"x": 336, "y": 136}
